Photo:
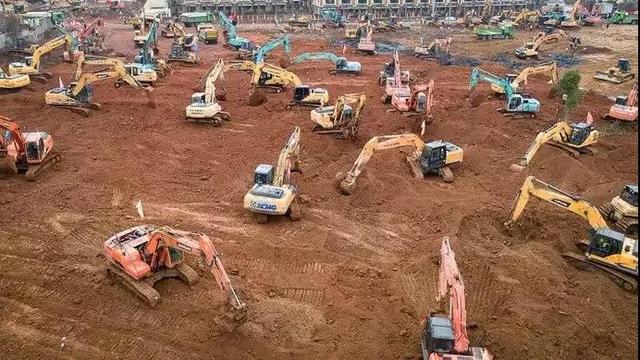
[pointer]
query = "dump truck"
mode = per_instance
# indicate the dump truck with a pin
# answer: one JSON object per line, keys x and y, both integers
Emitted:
{"x": 623, "y": 18}
{"x": 190, "y": 19}
{"x": 491, "y": 32}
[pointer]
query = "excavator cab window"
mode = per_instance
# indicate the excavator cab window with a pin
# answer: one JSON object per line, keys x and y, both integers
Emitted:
{"x": 621, "y": 100}
{"x": 301, "y": 92}
{"x": 515, "y": 102}
{"x": 579, "y": 133}
{"x": 28, "y": 60}
{"x": 606, "y": 242}
{"x": 510, "y": 77}
{"x": 263, "y": 174}
{"x": 434, "y": 156}
{"x": 33, "y": 149}
{"x": 630, "y": 195}
{"x": 437, "y": 336}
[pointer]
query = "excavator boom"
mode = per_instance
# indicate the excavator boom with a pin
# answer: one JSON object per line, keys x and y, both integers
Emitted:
{"x": 270, "y": 46}
{"x": 287, "y": 157}
{"x": 479, "y": 74}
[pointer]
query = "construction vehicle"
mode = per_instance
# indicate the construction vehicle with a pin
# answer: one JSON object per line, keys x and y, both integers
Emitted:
{"x": 491, "y": 32}
{"x": 617, "y": 74}
{"x": 86, "y": 40}
{"x": 574, "y": 138}
{"x": 341, "y": 119}
{"x": 444, "y": 336}
{"x": 31, "y": 64}
{"x": 606, "y": 250}
{"x": 622, "y": 211}
{"x": 143, "y": 255}
{"x": 300, "y": 21}
{"x": 436, "y": 47}
{"x": 13, "y": 82}
{"x": 231, "y": 38}
{"x": 25, "y": 152}
{"x": 183, "y": 48}
{"x": 273, "y": 193}
{"x": 621, "y": 17}
{"x": 354, "y": 30}
{"x": 190, "y": 19}
{"x": 389, "y": 71}
{"x": 624, "y": 109}
{"x": 417, "y": 103}
{"x": 167, "y": 30}
{"x": 204, "y": 107}
{"x": 260, "y": 53}
{"x": 366, "y": 45}
{"x": 77, "y": 95}
{"x": 570, "y": 20}
{"x": 134, "y": 21}
{"x": 487, "y": 12}
{"x": 207, "y": 33}
{"x": 331, "y": 18}
{"x": 518, "y": 105}
{"x": 519, "y": 81}
{"x": 343, "y": 66}
{"x": 425, "y": 158}
{"x": 395, "y": 85}
{"x": 526, "y": 16}
{"x": 148, "y": 66}
{"x": 530, "y": 49}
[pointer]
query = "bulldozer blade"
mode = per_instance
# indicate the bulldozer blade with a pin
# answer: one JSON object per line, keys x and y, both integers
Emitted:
{"x": 36, "y": 170}
{"x": 607, "y": 77}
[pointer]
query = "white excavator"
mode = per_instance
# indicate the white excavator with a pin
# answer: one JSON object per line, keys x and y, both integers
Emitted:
{"x": 575, "y": 138}
{"x": 272, "y": 193}
{"x": 425, "y": 158}
{"x": 519, "y": 81}
{"x": 607, "y": 250}
{"x": 204, "y": 107}
{"x": 77, "y": 95}
{"x": 444, "y": 336}
{"x": 341, "y": 119}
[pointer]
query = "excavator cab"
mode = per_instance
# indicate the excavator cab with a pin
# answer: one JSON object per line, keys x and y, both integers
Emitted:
{"x": 437, "y": 336}
{"x": 434, "y": 156}
{"x": 510, "y": 77}
{"x": 579, "y": 133}
{"x": 37, "y": 146}
{"x": 301, "y": 92}
{"x": 28, "y": 60}
{"x": 630, "y": 195}
{"x": 198, "y": 98}
{"x": 624, "y": 65}
{"x": 514, "y": 102}
{"x": 263, "y": 174}
{"x": 606, "y": 242}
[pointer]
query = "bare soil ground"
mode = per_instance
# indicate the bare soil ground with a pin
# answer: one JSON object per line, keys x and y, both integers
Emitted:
{"x": 357, "y": 275}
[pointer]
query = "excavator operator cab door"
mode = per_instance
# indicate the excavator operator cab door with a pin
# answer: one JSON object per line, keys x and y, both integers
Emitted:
{"x": 605, "y": 243}
{"x": 437, "y": 336}
{"x": 510, "y": 77}
{"x": 421, "y": 102}
{"x": 28, "y": 60}
{"x": 263, "y": 174}
{"x": 434, "y": 156}
{"x": 621, "y": 100}
{"x": 35, "y": 150}
{"x": 630, "y": 195}
{"x": 197, "y": 98}
{"x": 514, "y": 102}
{"x": 301, "y": 92}
{"x": 579, "y": 133}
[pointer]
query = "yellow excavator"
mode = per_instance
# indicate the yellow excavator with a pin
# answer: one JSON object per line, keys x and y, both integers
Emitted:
{"x": 531, "y": 49}
{"x": 432, "y": 157}
{"x": 272, "y": 192}
{"x": 183, "y": 47}
{"x": 518, "y": 81}
{"x": 77, "y": 95}
{"x": 622, "y": 211}
{"x": 341, "y": 119}
{"x": 31, "y": 64}
{"x": 525, "y": 15}
{"x": 13, "y": 82}
{"x": 606, "y": 250}
{"x": 204, "y": 107}
{"x": 274, "y": 79}
{"x": 574, "y": 138}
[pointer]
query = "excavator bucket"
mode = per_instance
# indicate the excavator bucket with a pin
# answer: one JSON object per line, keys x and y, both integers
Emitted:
{"x": 150, "y": 100}
{"x": 256, "y": 98}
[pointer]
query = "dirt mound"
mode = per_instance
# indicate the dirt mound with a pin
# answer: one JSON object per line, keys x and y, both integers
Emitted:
{"x": 476, "y": 98}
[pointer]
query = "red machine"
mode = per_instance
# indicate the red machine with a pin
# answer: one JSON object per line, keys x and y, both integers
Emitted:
{"x": 394, "y": 86}
{"x": 418, "y": 103}
{"x": 625, "y": 108}
{"x": 444, "y": 337}
{"x": 87, "y": 37}
{"x": 29, "y": 152}
{"x": 143, "y": 255}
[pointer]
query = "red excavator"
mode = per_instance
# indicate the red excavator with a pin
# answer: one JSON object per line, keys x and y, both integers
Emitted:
{"x": 625, "y": 108}
{"x": 444, "y": 337}
{"x": 28, "y": 153}
{"x": 144, "y": 255}
{"x": 418, "y": 103}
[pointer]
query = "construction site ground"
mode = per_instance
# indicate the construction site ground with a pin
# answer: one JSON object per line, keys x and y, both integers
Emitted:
{"x": 358, "y": 274}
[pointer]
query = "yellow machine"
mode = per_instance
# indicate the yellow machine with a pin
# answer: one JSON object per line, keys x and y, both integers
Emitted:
{"x": 366, "y": 45}
{"x": 352, "y": 30}
{"x": 518, "y": 81}
{"x": 342, "y": 118}
{"x": 204, "y": 107}
{"x": 432, "y": 157}
{"x": 570, "y": 21}
{"x": 435, "y": 47}
{"x": 607, "y": 250}
{"x": 574, "y": 138}
{"x": 299, "y": 21}
{"x": 182, "y": 47}
{"x": 531, "y": 49}
{"x": 275, "y": 79}
{"x": 526, "y": 16}
{"x": 13, "y": 82}
{"x": 31, "y": 64}
{"x": 616, "y": 74}
{"x": 208, "y": 33}
{"x": 272, "y": 192}
{"x": 77, "y": 95}
{"x": 623, "y": 210}
{"x": 487, "y": 10}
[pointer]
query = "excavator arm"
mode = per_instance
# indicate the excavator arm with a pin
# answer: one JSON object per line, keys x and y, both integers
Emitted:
{"x": 227, "y": 25}
{"x": 316, "y": 56}
{"x": 288, "y": 158}
{"x": 551, "y": 194}
{"x": 270, "y": 46}
{"x": 16, "y": 136}
{"x": 116, "y": 70}
{"x": 378, "y": 143}
{"x": 561, "y": 129}
{"x": 49, "y": 46}
{"x": 210, "y": 87}
{"x": 275, "y": 71}
{"x": 550, "y": 69}
{"x": 479, "y": 74}
{"x": 195, "y": 244}
{"x": 632, "y": 98}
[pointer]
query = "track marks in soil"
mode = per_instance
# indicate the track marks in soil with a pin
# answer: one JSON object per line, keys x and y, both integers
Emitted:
{"x": 309, "y": 296}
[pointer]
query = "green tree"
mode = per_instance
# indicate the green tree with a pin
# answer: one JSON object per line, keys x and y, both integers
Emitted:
{"x": 569, "y": 89}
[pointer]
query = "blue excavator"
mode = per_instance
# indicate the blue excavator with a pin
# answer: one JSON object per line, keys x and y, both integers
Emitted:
{"x": 342, "y": 65}
{"x": 259, "y": 53}
{"x": 232, "y": 40}
{"x": 146, "y": 60}
{"x": 518, "y": 105}
{"x": 332, "y": 18}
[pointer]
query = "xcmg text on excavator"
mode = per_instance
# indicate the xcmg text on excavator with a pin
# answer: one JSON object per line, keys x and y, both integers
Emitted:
{"x": 518, "y": 105}
{"x": 31, "y": 64}
{"x": 25, "y": 152}
{"x": 425, "y": 158}
{"x": 204, "y": 107}
{"x": 342, "y": 118}
{"x": 444, "y": 336}
{"x": 272, "y": 193}
{"x": 343, "y": 66}
{"x": 518, "y": 81}
{"x": 625, "y": 108}
{"x": 574, "y": 138}
{"x": 606, "y": 250}
{"x": 143, "y": 255}
{"x": 77, "y": 95}
{"x": 622, "y": 210}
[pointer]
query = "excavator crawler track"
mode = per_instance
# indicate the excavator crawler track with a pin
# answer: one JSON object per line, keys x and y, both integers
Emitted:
{"x": 416, "y": 170}
{"x": 446, "y": 174}
{"x": 625, "y": 281}
{"x": 215, "y": 121}
{"x": 36, "y": 170}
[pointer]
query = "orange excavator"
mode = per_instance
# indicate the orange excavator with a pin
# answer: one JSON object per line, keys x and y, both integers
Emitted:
{"x": 444, "y": 337}
{"x": 29, "y": 152}
{"x": 143, "y": 255}
{"x": 418, "y": 103}
{"x": 625, "y": 108}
